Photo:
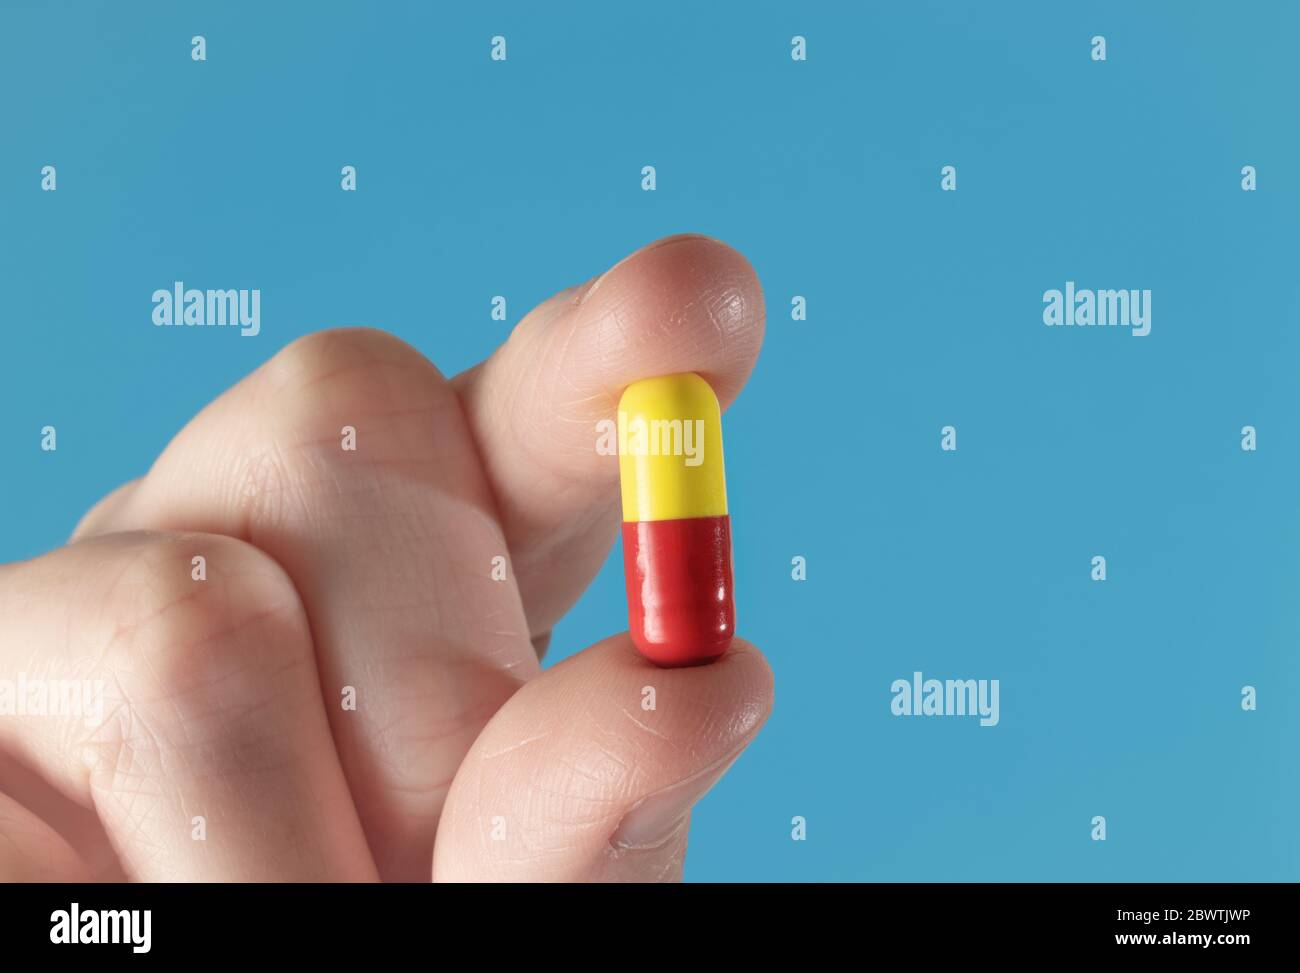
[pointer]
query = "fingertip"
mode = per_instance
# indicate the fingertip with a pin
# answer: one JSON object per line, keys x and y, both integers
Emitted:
{"x": 100, "y": 516}
{"x": 683, "y": 303}
{"x": 740, "y": 682}
{"x": 591, "y": 286}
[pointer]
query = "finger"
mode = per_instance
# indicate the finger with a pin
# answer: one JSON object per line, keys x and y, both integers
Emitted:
{"x": 75, "y": 823}
{"x": 32, "y": 851}
{"x": 391, "y": 545}
{"x": 185, "y": 711}
{"x": 684, "y": 303}
{"x": 590, "y": 772}
{"x": 99, "y": 519}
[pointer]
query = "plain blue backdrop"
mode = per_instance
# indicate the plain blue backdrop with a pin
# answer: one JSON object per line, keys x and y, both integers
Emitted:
{"x": 519, "y": 178}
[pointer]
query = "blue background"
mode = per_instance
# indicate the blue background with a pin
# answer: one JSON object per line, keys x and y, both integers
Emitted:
{"x": 479, "y": 178}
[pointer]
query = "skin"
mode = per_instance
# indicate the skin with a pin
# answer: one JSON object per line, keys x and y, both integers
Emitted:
{"x": 371, "y": 569}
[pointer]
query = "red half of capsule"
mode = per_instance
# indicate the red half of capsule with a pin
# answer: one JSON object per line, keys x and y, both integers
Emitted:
{"x": 681, "y": 610}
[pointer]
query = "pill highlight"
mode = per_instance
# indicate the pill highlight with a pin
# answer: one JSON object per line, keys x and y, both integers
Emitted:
{"x": 676, "y": 531}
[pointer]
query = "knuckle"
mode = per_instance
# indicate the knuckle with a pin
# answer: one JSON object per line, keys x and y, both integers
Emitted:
{"x": 344, "y": 368}
{"x": 328, "y": 389}
{"x": 188, "y": 634}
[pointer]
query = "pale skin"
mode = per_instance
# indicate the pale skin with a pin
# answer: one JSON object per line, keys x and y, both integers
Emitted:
{"x": 372, "y": 569}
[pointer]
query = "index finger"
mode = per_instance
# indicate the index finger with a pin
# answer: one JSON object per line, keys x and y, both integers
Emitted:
{"x": 682, "y": 304}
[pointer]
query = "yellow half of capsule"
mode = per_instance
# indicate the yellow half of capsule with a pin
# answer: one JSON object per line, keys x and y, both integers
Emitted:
{"x": 670, "y": 449}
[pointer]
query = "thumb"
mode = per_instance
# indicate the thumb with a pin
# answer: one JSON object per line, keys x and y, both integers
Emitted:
{"x": 589, "y": 772}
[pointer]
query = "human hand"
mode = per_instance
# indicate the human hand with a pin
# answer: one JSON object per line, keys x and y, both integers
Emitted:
{"x": 225, "y": 751}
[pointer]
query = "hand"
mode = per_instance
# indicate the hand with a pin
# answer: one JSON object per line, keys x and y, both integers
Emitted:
{"x": 224, "y": 750}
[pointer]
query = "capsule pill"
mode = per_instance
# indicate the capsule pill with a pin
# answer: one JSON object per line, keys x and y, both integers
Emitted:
{"x": 676, "y": 530}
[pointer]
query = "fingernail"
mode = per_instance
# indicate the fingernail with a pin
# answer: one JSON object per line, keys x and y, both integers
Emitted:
{"x": 590, "y": 288}
{"x": 657, "y": 817}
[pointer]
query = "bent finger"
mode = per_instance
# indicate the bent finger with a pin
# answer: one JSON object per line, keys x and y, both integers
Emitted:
{"x": 184, "y": 709}
{"x": 346, "y": 458}
{"x": 32, "y": 851}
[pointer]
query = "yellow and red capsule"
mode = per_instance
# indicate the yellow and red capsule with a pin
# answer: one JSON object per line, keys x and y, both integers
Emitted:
{"x": 676, "y": 532}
